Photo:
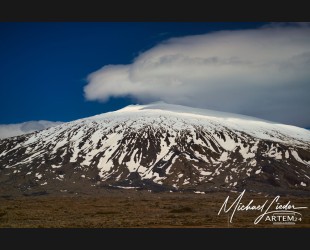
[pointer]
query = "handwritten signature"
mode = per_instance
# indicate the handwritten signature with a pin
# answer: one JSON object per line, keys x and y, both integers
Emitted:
{"x": 265, "y": 208}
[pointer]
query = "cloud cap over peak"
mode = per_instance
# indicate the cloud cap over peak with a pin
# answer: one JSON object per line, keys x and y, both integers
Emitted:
{"x": 259, "y": 72}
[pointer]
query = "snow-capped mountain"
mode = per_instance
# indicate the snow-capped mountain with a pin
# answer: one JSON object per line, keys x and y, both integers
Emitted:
{"x": 160, "y": 147}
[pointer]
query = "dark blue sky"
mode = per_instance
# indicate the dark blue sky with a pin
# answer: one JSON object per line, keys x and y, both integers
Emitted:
{"x": 43, "y": 66}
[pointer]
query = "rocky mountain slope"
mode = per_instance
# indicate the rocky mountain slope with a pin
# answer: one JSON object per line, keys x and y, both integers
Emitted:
{"x": 159, "y": 147}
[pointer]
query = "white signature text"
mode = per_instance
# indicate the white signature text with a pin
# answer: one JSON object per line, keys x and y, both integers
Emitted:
{"x": 266, "y": 208}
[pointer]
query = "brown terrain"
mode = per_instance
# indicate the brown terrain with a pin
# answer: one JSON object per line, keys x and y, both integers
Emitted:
{"x": 137, "y": 209}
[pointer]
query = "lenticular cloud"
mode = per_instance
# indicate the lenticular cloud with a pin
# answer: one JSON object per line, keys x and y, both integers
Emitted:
{"x": 261, "y": 72}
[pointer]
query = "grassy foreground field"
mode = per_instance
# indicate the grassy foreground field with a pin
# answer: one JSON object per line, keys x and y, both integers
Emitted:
{"x": 133, "y": 209}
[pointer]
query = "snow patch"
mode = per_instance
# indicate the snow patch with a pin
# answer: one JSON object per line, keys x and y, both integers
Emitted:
{"x": 258, "y": 171}
{"x": 287, "y": 154}
{"x": 245, "y": 152}
{"x": 296, "y": 156}
{"x": 125, "y": 187}
{"x": 54, "y": 166}
{"x": 39, "y": 176}
{"x": 224, "y": 157}
{"x": 199, "y": 192}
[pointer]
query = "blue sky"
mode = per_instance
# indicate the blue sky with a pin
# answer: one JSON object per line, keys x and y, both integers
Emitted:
{"x": 44, "y": 66}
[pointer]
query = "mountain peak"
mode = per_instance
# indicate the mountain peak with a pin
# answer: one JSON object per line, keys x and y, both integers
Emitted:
{"x": 152, "y": 105}
{"x": 161, "y": 114}
{"x": 186, "y": 110}
{"x": 159, "y": 146}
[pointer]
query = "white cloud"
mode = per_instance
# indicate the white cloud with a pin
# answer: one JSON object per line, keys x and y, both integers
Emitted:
{"x": 9, "y": 130}
{"x": 261, "y": 72}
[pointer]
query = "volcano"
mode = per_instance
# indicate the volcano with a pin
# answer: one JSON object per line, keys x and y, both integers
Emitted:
{"x": 158, "y": 147}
